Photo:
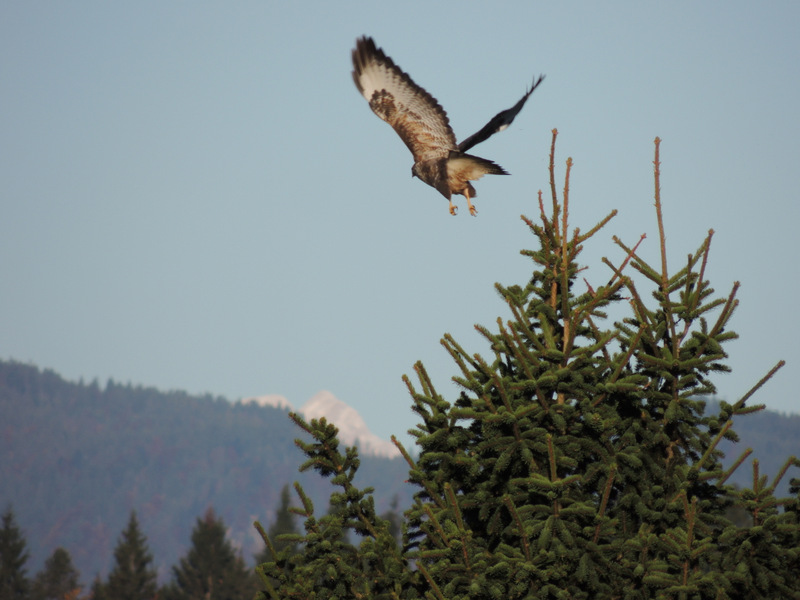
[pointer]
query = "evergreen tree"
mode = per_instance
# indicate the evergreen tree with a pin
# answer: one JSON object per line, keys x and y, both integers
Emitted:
{"x": 98, "y": 591}
{"x": 211, "y": 570}
{"x": 329, "y": 565}
{"x": 577, "y": 461}
{"x": 132, "y": 577}
{"x": 394, "y": 519}
{"x": 284, "y": 524}
{"x": 58, "y": 580}
{"x": 283, "y": 531}
{"x": 14, "y": 584}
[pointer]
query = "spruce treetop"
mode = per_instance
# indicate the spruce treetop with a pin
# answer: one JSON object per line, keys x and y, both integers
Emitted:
{"x": 211, "y": 569}
{"x": 577, "y": 460}
{"x": 14, "y": 583}
{"x": 132, "y": 577}
{"x": 58, "y": 580}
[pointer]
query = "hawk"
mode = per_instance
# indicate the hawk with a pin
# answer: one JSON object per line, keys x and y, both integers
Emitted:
{"x": 422, "y": 124}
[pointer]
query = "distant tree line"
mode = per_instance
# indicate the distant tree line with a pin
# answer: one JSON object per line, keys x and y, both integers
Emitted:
{"x": 211, "y": 569}
{"x": 169, "y": 455}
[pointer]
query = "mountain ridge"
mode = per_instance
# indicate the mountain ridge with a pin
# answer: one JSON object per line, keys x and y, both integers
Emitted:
{"x": 77, "y": 458}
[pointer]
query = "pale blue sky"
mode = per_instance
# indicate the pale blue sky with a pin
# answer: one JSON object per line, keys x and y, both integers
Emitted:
{"x": 194, "y": 195}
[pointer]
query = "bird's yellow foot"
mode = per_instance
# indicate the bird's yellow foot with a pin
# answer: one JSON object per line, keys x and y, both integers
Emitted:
{"x": 473, "y": 211}
{"x": 453, "y": 209}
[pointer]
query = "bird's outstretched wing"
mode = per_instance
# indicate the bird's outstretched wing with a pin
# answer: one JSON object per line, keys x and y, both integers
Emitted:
{"x": 414, "y": 114}
{"x": 499, "y": 122}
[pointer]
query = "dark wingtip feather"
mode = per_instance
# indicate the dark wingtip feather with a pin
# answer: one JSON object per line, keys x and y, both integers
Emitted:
{"x": 500, "y": 121}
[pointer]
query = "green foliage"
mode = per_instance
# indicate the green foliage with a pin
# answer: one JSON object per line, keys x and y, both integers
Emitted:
{"x": 283, "y": 532}
{"x": 132, "y": 577}
{"x": 211, "y": 569}
{"x": 330, "y": 565}
{"x": 58, "y": 580}
{"x": 14, "y": 584}
{"x": 78, "y": 457}
{"x": 284, "y": 525}
{"x": 394, "y": 519}
{"x": 576, "y": 462}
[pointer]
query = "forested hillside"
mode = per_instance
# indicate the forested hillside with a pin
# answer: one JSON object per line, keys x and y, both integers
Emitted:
{"x": 77, "y": 458}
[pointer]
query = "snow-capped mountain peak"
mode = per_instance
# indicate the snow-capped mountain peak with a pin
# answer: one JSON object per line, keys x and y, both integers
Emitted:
{"x": 352, "y": 428}
{"x": 353, "y": 431}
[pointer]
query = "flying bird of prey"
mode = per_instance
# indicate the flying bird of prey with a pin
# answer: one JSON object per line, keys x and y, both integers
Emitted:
{"x": 423, "y": 125}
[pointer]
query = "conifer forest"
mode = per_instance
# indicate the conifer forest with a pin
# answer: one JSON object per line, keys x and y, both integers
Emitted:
{"x": 583, "y": 456}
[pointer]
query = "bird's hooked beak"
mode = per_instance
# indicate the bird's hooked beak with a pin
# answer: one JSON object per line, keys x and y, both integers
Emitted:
{"x": 414, "y": 171}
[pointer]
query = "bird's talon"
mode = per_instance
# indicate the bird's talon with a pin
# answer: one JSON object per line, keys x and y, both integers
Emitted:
{"x": 453, "y": 209}
{"x": 473, "y": 211}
